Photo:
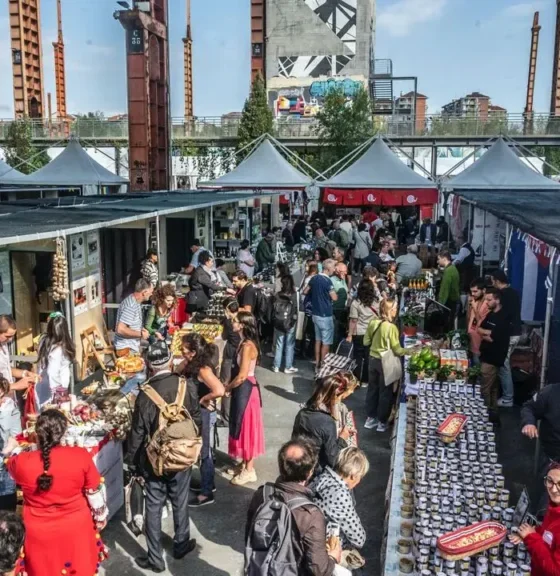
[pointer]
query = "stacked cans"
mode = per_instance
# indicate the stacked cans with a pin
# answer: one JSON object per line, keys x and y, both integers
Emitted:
{"x": 458, "y": 484}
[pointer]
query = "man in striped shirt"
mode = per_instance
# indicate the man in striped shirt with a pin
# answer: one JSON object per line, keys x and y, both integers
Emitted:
{"x": 129, "y": 327}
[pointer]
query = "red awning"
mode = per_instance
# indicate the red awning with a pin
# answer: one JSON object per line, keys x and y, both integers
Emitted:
{"x": 353, "y": 198}
{"x": 333, "y": 196}
{"x": 380, "y": 197}
{"x": 284, "y": 199}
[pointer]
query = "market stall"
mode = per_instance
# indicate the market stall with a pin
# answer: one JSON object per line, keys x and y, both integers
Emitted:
{"x": 377, "y": 178}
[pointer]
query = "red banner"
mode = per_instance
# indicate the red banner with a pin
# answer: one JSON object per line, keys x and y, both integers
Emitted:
{"x": 380, "y": 197}
{"x": 373, "y": 197}
{"x": 332, "y": 196}
{"x": 284, "y": 199}
{"x": 353, "y": 198}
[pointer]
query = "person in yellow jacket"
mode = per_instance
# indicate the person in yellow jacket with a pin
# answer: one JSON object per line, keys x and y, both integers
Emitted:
{"x": 381, "y": 335}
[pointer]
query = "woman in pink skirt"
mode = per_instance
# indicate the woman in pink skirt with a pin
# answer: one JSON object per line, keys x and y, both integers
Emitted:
{"x": 246, "y": 431}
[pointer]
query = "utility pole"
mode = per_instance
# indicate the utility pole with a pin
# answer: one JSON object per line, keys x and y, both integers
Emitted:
{"x": 188, "y": 72}
{"x": 59, "y": 68}
{"x": 528, "y": 113}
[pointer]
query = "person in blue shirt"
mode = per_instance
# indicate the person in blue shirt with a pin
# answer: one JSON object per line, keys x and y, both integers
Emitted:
{"x": 323, "y": 294}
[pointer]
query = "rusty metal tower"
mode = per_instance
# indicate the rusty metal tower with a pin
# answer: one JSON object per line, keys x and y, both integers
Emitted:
{"x": 147, "y": 66}
{"x": 27, "y": 57}
{"x": 59, "y": 70}
{"x": 555, "y": 97}
{"x": 528, "y": 113}
{"x": 258, "y": 36}
{"x": 188, "y": 72}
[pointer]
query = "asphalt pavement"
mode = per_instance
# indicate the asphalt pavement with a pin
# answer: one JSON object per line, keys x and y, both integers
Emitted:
{"x": 219, "y": 528}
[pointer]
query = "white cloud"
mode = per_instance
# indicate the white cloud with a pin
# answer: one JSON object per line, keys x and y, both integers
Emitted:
{"x": 523, "y": 9}
{"x": 402, "y": 16}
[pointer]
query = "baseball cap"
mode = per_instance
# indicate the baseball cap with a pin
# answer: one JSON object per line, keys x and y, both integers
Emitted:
{"x": 158, "y": 354}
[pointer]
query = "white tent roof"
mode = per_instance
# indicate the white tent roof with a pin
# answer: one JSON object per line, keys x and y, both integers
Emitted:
{"x": 72, "y": 167}
{"x": 265, "y": 167}
{"x": 7, "y": 171}
{"x": 499, "y": 168}
{"x": 379, "y": 167}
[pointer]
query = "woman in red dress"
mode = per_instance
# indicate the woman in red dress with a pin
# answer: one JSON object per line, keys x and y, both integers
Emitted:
{"x": 58, "y": 484}
{"x": 246, "y": 430}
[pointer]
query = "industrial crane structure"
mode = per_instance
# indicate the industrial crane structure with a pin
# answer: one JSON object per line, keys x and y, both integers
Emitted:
{"x": 528, "y": 113}
{"x": 258, "y": 35}
{"x": 555, "y": 96}
{"x": 188, "y": 71}
{"x": 27, "y": 57}
{"x": 59, "y": 69}
{"x": 147, "y": 69}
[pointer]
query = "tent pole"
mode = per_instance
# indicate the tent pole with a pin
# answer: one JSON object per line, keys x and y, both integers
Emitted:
{"x": 548, "y": 320}
{"x": 527, "y": 151}
{"x": 453, "y": 168}
{"x": 482, "y": 248}
{"x": 346, "y": 159}
{"x": 508, "y": 238}
{"x": 252, "y": 143}
{"x": 293, "y": 155}
{"x": 411, "y": 158}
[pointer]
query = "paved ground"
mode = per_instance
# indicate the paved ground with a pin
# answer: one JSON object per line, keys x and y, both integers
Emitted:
{"x": 219, "y": 529}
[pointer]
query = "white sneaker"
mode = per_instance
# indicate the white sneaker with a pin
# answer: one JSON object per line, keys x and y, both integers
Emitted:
{"x": 275, "y": 370}
{"x": 382, "y": 427}
{"x": 371, "y": 423}
{"x": 505, "y": 403}
{"x": 290, "y": 370}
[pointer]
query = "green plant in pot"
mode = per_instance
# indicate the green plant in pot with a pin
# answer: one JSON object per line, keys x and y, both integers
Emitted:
{"x": 443, "y": 373}
{"x": 413, "y": 370}
{"x": 410, "y": 322}
{"x": 460, "y": 374}
{"x": 473, "y": 374}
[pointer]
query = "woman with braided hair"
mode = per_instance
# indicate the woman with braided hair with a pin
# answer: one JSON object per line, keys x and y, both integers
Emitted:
{"x": 64, "y": 504}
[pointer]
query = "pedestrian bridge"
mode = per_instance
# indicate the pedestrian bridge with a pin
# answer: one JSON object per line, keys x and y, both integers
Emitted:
{"x": 221, "y": 131}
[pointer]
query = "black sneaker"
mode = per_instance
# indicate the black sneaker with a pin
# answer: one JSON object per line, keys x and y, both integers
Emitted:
{"x": 191, "y": 545}
{"x": 197, "y": 502}
{"x": 145, "y": 564}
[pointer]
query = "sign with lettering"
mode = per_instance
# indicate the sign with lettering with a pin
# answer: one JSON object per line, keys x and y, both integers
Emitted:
{"x": 135, "y": 41}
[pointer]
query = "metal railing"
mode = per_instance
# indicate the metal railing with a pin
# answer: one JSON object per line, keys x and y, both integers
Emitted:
{"x": 226, "y": 128}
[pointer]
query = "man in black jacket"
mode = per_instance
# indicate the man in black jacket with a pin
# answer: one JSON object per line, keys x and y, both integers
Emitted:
{"x": 202, "y": 284}
{"x": 145, "y": 423}
{"x": 544, "y": 406}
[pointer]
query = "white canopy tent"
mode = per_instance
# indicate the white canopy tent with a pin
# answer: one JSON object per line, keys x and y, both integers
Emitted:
{"x": 72, "y": 168}
{"x": 264, "y": 168}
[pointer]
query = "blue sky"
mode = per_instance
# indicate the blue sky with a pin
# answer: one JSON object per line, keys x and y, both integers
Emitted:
{"x": 453, "y": 46}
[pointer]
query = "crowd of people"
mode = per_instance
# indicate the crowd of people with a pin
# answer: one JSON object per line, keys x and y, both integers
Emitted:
{"x": 348, "y": 299}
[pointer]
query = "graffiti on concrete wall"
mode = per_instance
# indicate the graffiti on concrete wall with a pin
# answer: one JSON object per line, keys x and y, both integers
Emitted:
{"x": 307, "y": 101}
{"x": 339, "y": 17}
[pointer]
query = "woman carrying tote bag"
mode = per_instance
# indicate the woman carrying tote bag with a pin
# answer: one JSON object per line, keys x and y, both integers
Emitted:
{"x": 385, "y": 368}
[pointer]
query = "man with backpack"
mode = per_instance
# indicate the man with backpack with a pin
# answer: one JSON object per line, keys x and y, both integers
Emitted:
{"x": 286, "y": 532}
{"x": 164, "y": 443}
{"x": 284, "y": 320}
{"x": 339, "y": 235}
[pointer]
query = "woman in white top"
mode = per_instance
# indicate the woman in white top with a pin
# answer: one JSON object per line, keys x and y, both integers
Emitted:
{"x": 245, "y": 260}
{"x": 56, "y": 355}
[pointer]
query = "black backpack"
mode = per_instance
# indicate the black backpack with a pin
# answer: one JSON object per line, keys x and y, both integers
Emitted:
{"x": 270, "y": 550}
{"x": 283, "y": 313}
{"x": 263, "y": 307}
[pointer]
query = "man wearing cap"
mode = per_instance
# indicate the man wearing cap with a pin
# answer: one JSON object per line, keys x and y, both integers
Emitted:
{"x": 197, "y": 249}
{"x": 158, "y": 489}
{"x": 265, "y": 251}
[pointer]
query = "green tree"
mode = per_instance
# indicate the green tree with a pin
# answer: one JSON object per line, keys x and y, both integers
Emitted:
{"x": 343, "y": 124}
{"x": 20, "y": 151}
{"x": 256, "y": 119}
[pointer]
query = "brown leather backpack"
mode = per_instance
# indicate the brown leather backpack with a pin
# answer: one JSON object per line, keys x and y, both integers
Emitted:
{"x": 177, "y": 443}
